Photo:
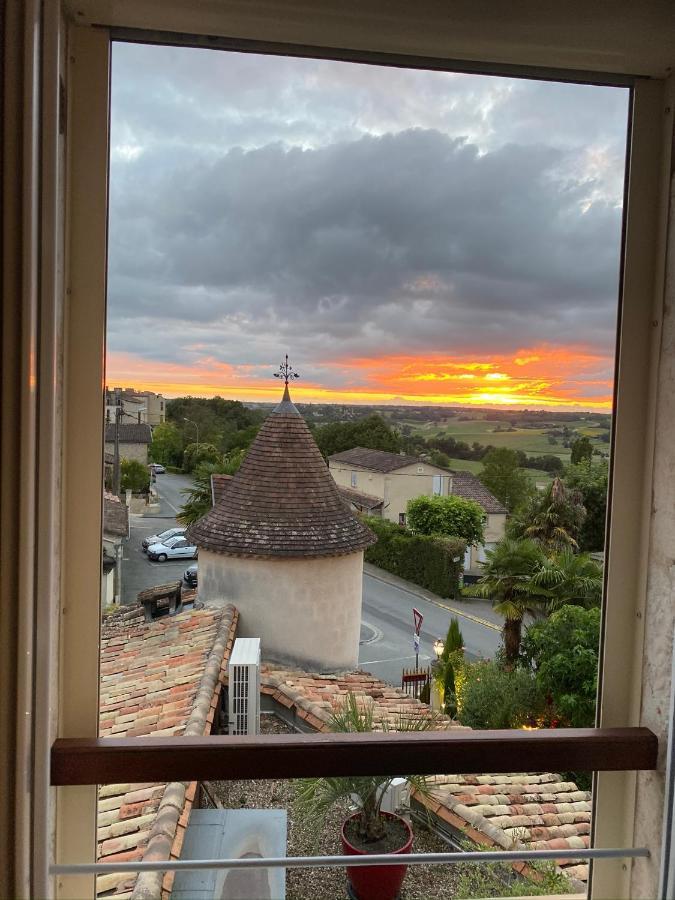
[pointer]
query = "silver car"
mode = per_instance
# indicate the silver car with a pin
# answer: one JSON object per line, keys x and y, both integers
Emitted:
{"x": 173, "y": 548}
{"x": 160, "y": 538}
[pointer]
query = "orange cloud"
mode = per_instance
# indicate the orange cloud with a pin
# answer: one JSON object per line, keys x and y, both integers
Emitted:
{"x": 535, "y": 377}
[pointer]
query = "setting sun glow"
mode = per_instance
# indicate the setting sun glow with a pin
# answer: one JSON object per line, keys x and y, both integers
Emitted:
{"x": 534, "y": 377}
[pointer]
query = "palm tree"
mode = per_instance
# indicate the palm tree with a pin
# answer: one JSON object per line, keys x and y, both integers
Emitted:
{"x": 570, "y": 578}
{"x": 316, "y": 796}
{"x": 558, "y": 519}
{"x": 508, "y": 580}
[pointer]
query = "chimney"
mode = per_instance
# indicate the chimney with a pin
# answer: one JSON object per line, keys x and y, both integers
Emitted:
{"x": 161, "y": 599}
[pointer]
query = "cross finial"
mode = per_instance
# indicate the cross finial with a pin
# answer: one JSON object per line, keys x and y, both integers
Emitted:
{"x": 286, "y": 372}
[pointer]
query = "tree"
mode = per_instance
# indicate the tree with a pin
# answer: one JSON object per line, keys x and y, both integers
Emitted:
{"x": 371, "y": 431}
{"x": 317, "y": 796}
{"x": 563, "y": 653}
{"x": 581, "y": 449}
{"x": 134, "y": 476}
{"x": 504, "y": 478}
{"x": 199, "y": 498}
{"x": 167, "y": 444}
{"x": 211, "y": 420}
{"x": 195, "y": 454}
{"x": 440, "y": 459}
{"x": 490, "y": 696}
{"x": 555, "y": 521}
{"x": 507, "y": 581}
{"x": 591, "y": 480}
{"x": 570, "y": 578}
{"x": 451, "y": 515}
{"x": 451, "y": 660}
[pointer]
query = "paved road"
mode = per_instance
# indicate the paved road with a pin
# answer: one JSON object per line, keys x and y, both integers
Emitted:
{"x": 138, "y": 571}
{"x": 169, "y": 488}
{"x": 386, "y": 628}
{"x": 387, "y": 609}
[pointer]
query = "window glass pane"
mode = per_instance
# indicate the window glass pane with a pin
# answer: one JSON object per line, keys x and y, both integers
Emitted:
{"x": 327, "y": 282}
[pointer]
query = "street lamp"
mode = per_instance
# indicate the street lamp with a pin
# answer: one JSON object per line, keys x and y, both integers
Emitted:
{"x": 192, "y": 423}
{"x": 439, "y": 647}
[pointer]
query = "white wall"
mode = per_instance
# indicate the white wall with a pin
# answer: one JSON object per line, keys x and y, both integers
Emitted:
{"x": 307, "y": 612}
{"x": 395, "y": 488}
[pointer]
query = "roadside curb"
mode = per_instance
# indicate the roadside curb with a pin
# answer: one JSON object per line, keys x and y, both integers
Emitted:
{"x": 436, "y": 602}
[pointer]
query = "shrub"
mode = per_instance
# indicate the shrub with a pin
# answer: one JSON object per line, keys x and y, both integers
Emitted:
{"x": 451, "y": 516}
{"x": 425, "y": 560}
{"x": 134, "y": 476}
{"x": 563, "y": 652}
{"x": 489, "y": 696}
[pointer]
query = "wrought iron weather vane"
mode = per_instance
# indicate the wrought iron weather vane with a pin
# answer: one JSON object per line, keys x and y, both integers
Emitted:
{"x": 287, "y": 373}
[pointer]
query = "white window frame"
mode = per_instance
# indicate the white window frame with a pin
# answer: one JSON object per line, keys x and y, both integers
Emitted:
{"x": 79, "y": 492}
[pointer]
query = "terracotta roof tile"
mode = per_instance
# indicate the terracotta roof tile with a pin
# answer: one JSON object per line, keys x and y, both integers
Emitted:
{"x": 317, "y": 696}
{"x": 467, "y": 486}
{"x": 376, "y": 460}
{"x": 536, "y": 812}
{"x": 509, "y": 811}
{"x": 283, "y": 501}
{"x": 129, "y": 433}
{"x": 219, "y": 484}
{"x": 143, "y": 665}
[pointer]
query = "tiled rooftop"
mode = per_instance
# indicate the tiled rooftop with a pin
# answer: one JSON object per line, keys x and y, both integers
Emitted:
{"x": 219, "y": 484}
{"x": 316, "y": 697}
{"x": 467, "y": 486}
{"x": 539, "y": 812}
{"x": 159, "y": 678}
{"x": 534, "y": 812}
{"x": 115, "y": 516}
{"x": 359, "y": 499}
{"x": 283, "y": 501}
{"x": 377, "y": 460}
{"x": 129, "y": 433}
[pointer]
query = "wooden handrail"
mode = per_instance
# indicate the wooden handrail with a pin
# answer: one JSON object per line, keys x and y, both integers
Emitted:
{"x": 222, "y": 758}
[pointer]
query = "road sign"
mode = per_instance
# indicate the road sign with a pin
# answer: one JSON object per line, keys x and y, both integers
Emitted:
{"x": 416, "y": 643}
{"x": 418, "y": 619}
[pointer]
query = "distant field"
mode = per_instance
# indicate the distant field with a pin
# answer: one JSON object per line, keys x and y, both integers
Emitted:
{"x": 475, "y": 466}
{"x": 533, "y": 441}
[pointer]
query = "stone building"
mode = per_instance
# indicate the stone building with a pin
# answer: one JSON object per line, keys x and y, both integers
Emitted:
{"x": 140, "y": 406}
{"x": 378, "y": 483}
{"x": 134, "y": 441}
{"x": 283, "y": 546}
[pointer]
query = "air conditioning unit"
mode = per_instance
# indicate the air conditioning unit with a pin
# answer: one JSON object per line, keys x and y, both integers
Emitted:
{"x": 244, "y": 687}
{"x": 396, "y": 796}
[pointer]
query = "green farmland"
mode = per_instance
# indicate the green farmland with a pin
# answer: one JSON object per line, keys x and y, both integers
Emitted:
{"x": 533, "y": 441}
{"x": 476, "y": 466}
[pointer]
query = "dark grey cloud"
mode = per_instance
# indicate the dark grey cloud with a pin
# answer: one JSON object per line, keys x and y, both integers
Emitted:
{"x": 353, "y": 211}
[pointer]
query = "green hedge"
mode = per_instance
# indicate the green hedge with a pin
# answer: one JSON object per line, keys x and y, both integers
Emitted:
{"x": 423, "y": 559}
{"x": 173, "y": 470}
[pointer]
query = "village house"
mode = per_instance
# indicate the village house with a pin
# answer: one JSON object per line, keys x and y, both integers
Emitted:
{"x": 142, "y": 406}
{"x": 115, "y": 531}
{"x": 378, "y": 483}
{"x": 134, "y": 440}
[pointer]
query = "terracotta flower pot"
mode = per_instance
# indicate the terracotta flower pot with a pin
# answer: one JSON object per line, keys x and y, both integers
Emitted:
{"x": 376, "y": 882}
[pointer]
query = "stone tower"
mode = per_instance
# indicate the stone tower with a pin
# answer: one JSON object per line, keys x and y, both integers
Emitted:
{"x": 284, "y": 548}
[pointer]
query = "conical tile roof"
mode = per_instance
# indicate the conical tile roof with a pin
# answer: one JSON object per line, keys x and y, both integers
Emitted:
{"x": 283, "y": 501}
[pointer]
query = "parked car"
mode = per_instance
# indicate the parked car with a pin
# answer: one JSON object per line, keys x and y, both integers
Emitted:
{"x": 190, "y": 576}
{"x": 173, "y": 548}
{"x": 157, "y": 468}
{"x": 160, "y": 538}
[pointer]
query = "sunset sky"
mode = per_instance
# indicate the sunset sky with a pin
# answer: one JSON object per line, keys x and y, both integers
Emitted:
{"x": 407, "y": 237}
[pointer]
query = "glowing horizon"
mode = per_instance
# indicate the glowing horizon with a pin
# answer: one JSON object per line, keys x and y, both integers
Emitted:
{"x": 542, "y": 377}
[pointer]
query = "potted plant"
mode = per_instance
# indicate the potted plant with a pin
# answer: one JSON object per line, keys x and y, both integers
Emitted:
{"x": 368, "y": 830}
